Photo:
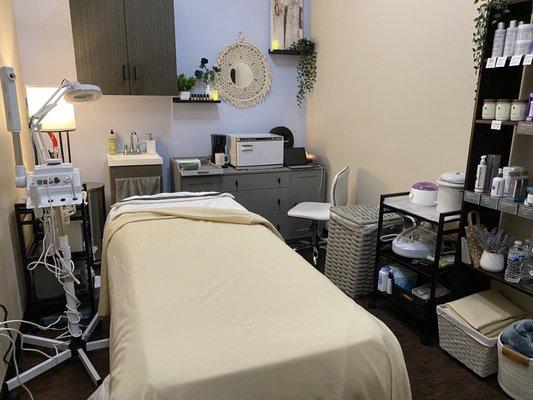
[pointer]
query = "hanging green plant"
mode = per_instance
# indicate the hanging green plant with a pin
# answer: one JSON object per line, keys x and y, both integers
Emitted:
{"x": 306, "y": 67}
{"x": 489, "y": 12}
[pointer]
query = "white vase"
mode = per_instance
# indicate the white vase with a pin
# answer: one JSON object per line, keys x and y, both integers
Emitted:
{"x": 492, "y": 262}
{"x": 185, "y": 95}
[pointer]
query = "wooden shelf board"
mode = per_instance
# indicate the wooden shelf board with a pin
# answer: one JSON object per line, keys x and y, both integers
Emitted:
{"x": 500, "y": 277}
{"x": 284, "y": 52}
{"x": 178, "y": 100}
{"x": 489, "y": 121}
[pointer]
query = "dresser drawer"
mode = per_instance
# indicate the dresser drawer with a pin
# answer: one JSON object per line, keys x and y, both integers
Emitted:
{"x": 264, "y": 201}
{"x": 281, "y": 222}
{"x": 200, "y": 184}
{"x": 235, "y": 183}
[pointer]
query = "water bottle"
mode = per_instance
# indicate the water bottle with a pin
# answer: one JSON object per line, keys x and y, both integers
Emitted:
{"x": 527, "y": 270}
{"x": 516, "y": 261}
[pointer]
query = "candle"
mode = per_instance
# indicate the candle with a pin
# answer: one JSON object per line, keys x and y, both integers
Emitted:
{"x": 275, "y": 44}
{"x": 214, "y": 95}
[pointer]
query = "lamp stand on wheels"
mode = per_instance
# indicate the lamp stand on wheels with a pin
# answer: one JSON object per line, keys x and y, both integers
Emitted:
{"x": 79, "y": 345}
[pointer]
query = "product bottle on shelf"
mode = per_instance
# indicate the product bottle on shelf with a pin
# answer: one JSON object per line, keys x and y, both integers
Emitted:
{"x": 498, "y": 184}
{"x": 112, "y": 143}
{"x": 499, "y": 40}
{"x": 516, "y": 260}
{"x": 480, "y": 175}
{"x": 510, "y": 39}
{"x": 527, "y": 270}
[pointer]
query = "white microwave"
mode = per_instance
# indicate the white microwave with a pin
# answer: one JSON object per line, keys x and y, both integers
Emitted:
{"x": 256, "y": 150}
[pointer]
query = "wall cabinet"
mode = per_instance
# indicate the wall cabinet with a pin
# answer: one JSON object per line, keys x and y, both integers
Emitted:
{"x": 125, "y": 46}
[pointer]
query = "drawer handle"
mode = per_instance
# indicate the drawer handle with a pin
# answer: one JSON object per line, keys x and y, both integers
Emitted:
{"x": 279, "y": 202}
{"x": 236, "y": 183}
{"x": 278, "y": 227}
{"x": 279, "y": 180}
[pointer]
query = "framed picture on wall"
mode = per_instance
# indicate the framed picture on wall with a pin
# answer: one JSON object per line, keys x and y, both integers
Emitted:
{"x": 286, "y": 23}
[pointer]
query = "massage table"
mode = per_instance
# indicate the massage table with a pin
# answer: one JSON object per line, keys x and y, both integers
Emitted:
{"x": 206, "y": 301}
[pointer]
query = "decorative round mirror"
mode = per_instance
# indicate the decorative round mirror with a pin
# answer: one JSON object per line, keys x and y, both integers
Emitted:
{"x": 244, "y": 78}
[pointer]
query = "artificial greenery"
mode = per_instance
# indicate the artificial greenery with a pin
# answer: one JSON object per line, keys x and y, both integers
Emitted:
{"x": 185, "y": 84}
{"x": 306, "y": 67}
{"x": 495, "y": 241}
{"x": 206, "y": 74}
{"x": 489, "y": 12}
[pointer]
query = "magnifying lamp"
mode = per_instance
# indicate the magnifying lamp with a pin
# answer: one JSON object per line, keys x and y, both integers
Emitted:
{"x": 72, "y": 92}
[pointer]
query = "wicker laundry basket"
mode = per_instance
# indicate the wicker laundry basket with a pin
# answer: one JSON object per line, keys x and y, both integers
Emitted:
{"x": 476, "y": 351}
{"x": 515, "y": 373}
{"x": 351, "y": 250}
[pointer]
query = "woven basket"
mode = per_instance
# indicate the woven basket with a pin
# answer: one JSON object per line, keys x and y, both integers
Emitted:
{"x": 515, "y": 373}
{"x": 474, "y": 350}
{"x": 473, "y": 247}
{"x": 351, "y": 251}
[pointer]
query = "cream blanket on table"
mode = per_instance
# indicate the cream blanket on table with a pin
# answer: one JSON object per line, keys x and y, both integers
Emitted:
{"x": 211, "y": 304}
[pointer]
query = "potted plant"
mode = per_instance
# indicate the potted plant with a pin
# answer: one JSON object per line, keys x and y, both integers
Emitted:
{"x": 306, "y": 67}
{"x": 185, "y": 84}
{"x": 206, "y": 74}
{"x": 495, "y": 244}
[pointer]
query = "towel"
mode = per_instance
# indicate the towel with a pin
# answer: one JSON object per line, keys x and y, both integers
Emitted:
{"x": 520, "y": 337}
{"x": 487, "y": 312}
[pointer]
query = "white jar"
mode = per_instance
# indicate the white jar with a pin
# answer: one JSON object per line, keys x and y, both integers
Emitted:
{"x": 503, "y": 110}
{"x": 518, "y": 110}
{"x": 489, "y": 109}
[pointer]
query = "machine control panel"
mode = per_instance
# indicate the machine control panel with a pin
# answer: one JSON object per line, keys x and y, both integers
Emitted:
{"x": 53, "y": 185}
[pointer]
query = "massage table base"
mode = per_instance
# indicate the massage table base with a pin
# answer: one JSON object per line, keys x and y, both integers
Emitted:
{"x": 75, "y": 348}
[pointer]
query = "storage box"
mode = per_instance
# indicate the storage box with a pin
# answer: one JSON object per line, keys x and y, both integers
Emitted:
{"x": 412, "y": 303}
{"x": 351, "y": 251}
{"x": 470, "y": 347}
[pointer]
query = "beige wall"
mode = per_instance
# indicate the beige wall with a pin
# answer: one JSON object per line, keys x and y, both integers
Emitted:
{"x": 395, "y": 90}
{"x": 11, "y": 279}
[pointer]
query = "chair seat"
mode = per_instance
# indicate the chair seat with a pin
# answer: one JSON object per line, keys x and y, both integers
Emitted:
{"x": 311, "y": 210}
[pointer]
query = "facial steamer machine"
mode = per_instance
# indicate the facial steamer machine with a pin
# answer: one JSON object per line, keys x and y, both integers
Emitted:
{"x": 53, "y": 190}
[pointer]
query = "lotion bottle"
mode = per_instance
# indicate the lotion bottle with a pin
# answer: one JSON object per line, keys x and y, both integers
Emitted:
{"x": 498, "y": 184}
{"x": 510, "y": 39}
{"x": 112, "y": 143}
{"x": 499, "y": 40}
{"x": 480, "y": 175}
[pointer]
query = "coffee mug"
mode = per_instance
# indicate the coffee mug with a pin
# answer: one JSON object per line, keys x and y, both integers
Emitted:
{"x": 221, "y": 159}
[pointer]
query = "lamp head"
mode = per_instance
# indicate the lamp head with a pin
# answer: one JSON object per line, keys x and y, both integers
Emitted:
{"x": 81, "y": 93}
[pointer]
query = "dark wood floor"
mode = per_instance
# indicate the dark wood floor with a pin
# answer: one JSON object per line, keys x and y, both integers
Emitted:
{"x": 433, "y": 374}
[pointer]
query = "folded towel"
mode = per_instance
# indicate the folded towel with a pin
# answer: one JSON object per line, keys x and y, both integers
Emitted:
{"x": 488, "y": 312}
{"x": 520, "y": 337}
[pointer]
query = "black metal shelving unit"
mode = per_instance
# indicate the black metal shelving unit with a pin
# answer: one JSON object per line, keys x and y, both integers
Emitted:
{"x": 30, "y": 237}
{"x": 446, "y": 224}
{"x": 505, "y": 82}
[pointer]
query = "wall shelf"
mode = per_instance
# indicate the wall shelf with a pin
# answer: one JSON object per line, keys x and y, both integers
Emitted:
{"x": 499, "y": 276}
{"x": 500, "y": 204}
{"x": 178, "y": 100}
{"x": 284, "y": 52}
{"x": 489, "y": 122}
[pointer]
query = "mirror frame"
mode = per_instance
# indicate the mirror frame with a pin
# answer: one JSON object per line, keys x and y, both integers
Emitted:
{"x": 243, "y": 51}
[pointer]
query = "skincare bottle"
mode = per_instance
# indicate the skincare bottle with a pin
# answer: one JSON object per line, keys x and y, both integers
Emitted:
{"x": 390, "y": 282}
{"x": 112, "y": 143}
{"x": 383, "y": 276}
{"x": 498, "y": 184}
{"x": 499, "y": 40}
{"x": 150, "y": 145}
{"x": 510, "y": 39}
{"x": 480, "y": 175}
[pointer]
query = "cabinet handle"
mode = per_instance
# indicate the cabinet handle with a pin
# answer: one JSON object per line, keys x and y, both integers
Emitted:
{"x": 135, "y": 73}
{"x": 236, "y": 183}
{"x": 278, "y": 227}
{"x": 124, "y": 75}
{"x": 279, "y": 202}
{"x": 279, "y": 180}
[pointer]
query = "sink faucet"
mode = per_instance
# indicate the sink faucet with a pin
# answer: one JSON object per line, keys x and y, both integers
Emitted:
{"x": 134, "y": 144}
